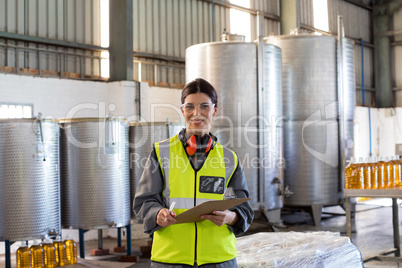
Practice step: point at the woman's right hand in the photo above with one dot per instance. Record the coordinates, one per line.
(165, 218)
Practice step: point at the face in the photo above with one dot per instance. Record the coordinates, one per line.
(198, 119)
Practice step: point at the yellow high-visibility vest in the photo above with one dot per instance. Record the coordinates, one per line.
(202, 242)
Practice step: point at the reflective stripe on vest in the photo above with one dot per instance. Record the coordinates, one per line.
(203, 242)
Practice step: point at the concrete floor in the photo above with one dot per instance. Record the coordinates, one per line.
(372, 234)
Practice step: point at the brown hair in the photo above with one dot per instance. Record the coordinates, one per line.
(200, 85)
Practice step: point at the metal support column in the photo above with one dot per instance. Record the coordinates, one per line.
(121, 40)
(382, 56)
(395, 224)
(260, 109)
(119, 237)
(100, 239)
(129, 250)
(81, 233)
(348, 218)
(8, 254)
(290, 15)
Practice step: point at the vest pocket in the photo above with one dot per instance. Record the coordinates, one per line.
(212, 185)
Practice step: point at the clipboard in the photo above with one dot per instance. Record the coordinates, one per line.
(193, 214)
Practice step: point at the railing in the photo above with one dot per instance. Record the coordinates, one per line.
(61, 70)
(166, 71)
(154, 78)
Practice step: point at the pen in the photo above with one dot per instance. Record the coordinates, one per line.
(171, 208)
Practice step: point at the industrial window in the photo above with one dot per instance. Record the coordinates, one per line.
(8, 110)
(104, 7)
(320, 11)
(240, 20)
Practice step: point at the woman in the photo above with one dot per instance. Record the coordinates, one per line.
(189, 169)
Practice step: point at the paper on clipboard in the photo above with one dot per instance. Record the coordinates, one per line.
(193, 214)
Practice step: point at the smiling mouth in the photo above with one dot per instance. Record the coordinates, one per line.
(197, 120)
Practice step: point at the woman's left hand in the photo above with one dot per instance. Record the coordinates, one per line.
(221, 217)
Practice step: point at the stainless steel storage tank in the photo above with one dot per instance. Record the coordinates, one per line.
(349, 81)
(310, 84)
(272, 126)
(231, 67)
(29, 179)
(349, 85)
(95, 179)
(142, 136)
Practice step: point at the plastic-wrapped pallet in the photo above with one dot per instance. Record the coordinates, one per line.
(297, 249)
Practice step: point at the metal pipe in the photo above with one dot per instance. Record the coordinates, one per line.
(81, 233)
(110, 134)
(138, 99)
(49, 51)
(81, 66)
(129, 250)
(156, 74)
(119, 237)
(39, 67)
(153, 56)
(52, 42)
(100, 239)
(369, 113)
(395, 221)
(311, 28)
(260, 108)
(252, 11)
(39, 117)
(340, 103)
(213, 20)
(168, 127)
(8, 254)
(348, 218)
(363, 93)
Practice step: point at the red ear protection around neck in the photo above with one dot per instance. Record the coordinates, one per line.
(195, 144)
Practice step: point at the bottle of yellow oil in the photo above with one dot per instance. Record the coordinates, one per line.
(37, 255)
(60, 246)
(23, 256)
(399, 162)
(349, 179)
(390, 171)
(374, 173)
(49, 253)
(367, 174)
(71, 250)
(360, 174)
(395, 165)
(382, 174)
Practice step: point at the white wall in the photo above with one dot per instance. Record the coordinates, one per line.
(163, 103)
(386, 131)
(65, 98)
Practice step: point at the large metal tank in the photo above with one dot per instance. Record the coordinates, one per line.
(310, 88)
(95, 179)
(231, 67)
(142, 136)
(349, 80)
(349, 98)
(272, 127)
(29, 179)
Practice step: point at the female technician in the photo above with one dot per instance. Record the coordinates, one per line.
(189, 169)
